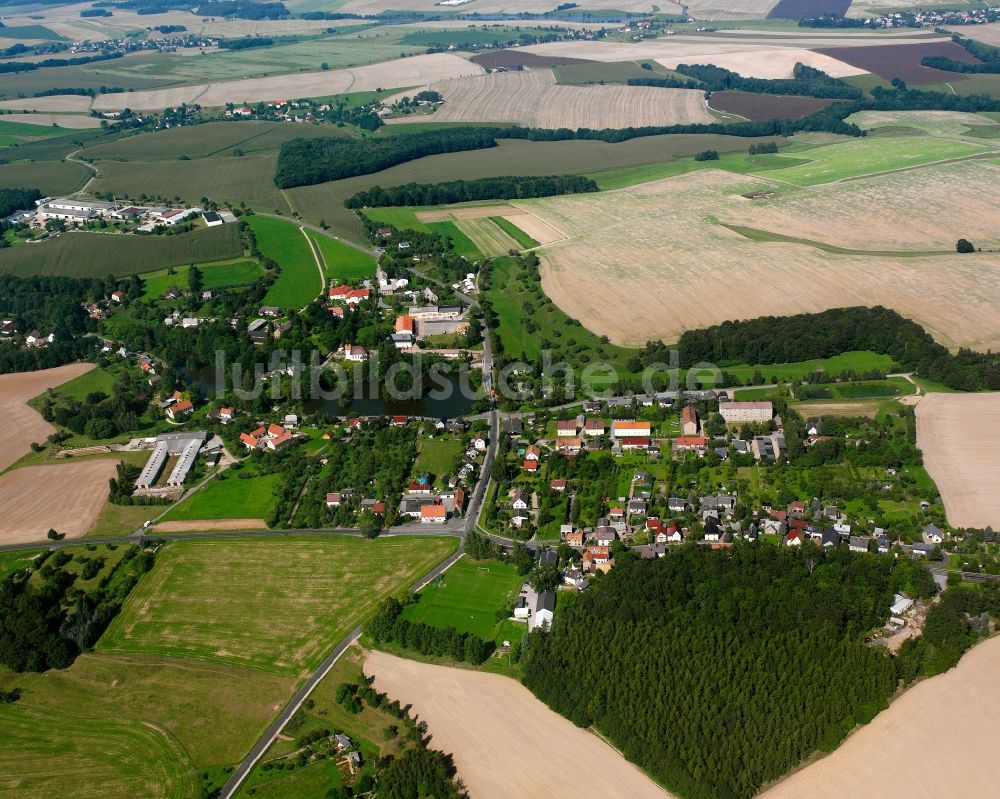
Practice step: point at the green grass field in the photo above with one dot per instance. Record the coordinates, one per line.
(11, 562)
(223, 179)
(869, 156)
(512, 230)
(54, 177)
(78, 388)
(510, 288)
(241, 272)
(232, 498)
(53, 754)
(19, 132)
(461, 243)
(862, 361)
(101, 254)
(342, 261)
(130, 725)
(299, 282)
(437, 457)
(467, 597)
(276, 605)
(402, 218)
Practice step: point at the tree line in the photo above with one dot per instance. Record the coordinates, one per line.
(389, 626)
(806, 82)
(802, 337)
(988, 58)
(31, 66)
(717, 671)
(457, 191)
(303, 162)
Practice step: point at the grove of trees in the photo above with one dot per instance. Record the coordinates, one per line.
(458, 191)
(718, 671)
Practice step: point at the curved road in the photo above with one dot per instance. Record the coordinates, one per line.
(243, 769)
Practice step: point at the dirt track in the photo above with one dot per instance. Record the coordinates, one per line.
(506, 743)
(209, 524)
(937, 740)
(959, 435)
(21, 424)
(66, 498)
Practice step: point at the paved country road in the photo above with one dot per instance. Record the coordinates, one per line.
(243, 770)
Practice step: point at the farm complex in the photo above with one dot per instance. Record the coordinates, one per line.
(484, 399)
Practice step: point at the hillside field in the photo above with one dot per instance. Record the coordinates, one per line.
(534, 99)
(275, 605)
(79, 254)
(223, 179)
(342, 261)
(325, 201)
(300, 281)
(215, 275)
(663, 288)
(49, 177)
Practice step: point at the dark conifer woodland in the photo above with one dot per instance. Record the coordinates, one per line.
(718, 671)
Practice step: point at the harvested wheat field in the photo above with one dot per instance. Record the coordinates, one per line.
(540, 230)
(455, 212)
(775, 63)
(892, 757)
(60, 103)
(375, 7)
(59, 120)
(65, 497)
(759, 60)
(534, 99)
(877, 213)
(489, 239)
(730, 9)
(210, 524)
(420, 69)
(672, 267)
(22, 425)
(988, 34)
(959, 435)
(489, 723)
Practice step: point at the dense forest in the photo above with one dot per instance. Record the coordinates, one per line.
(718, 671)
(45, 621)
(302, 162)
(807, 82)
(458, 191)
(802, 337)
(12, 200)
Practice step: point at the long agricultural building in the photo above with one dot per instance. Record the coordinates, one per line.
(185, 446)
